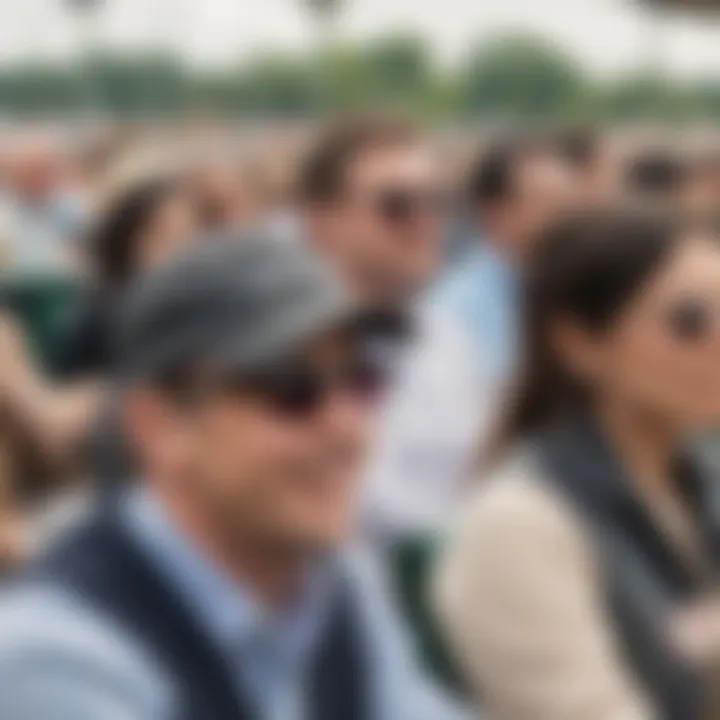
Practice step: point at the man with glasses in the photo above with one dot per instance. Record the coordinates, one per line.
(371, 205)
(215, 588)
(374, 207)
(450, 393)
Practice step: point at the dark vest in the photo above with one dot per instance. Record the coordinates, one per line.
(102, 565)
(645, 580)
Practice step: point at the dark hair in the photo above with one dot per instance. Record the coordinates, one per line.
(492, 175)
(113, 242)
(589, 265)
(322, 174)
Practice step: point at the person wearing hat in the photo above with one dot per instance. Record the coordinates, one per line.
(216, 587)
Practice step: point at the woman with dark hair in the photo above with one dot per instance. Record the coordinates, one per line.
(52, 427)
(581, 582)
(145, 225)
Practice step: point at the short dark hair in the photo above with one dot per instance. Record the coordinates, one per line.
(492, 175)
(322, 173)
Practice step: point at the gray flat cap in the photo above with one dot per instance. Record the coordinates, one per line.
(235, 303)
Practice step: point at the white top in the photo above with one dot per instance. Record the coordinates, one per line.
(429, 431)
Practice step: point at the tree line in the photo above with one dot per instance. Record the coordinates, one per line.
(512, 77)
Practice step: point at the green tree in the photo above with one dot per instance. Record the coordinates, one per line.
(646, 96)
(278, 85)
(706, 94)
(35, 89)
(396, 70)
(519, 76)
(132, 85)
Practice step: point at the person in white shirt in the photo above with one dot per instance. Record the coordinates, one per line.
(368, 209)
(40, 219)
(371, 204)
(430, 423)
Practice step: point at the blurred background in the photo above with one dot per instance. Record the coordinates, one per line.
(455, 62)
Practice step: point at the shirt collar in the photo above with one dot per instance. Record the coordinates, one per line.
(228, 610)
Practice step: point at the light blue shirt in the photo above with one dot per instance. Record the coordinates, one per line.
(270, 651)
(60, 660)
(481, 291)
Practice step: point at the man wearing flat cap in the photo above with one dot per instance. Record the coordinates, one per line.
(215, 587)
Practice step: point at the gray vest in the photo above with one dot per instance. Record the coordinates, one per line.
(644, 578)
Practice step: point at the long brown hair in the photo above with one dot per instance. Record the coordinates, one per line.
(588, 266)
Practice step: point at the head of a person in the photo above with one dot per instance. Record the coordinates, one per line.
(623, 316)
(36, 168)
(143, 227)
(593, 158)
(371, 204)
(254, 421)
(216, 189)
(516, 187)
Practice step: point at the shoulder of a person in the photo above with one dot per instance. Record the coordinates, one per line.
(51, 636)
(517, 499)
(457, 283)
(515, 529)
(441, 328)
(467, 292)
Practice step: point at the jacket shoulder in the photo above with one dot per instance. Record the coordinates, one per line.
(516, 489)
(53, 645)
(516, 512)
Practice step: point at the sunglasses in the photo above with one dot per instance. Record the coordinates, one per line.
(692, 319)
(399, 205)
(298, 389)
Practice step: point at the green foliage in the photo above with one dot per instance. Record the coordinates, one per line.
(514, 77)
(519, 76)
(37, 88)
(137, 85)
(706, 94)
(641, 97)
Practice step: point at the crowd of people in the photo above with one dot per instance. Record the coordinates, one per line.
(355, 423)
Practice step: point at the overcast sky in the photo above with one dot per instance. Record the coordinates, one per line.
(607, 35)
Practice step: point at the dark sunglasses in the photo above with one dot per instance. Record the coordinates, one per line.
(298, 389)
(398, 205)
(692, 319)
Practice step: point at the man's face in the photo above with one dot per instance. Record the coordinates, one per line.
(273, 459)
(544, 186)
(383, 232)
